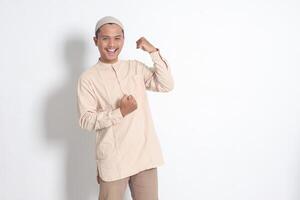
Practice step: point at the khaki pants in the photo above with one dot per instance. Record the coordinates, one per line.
(143, 186)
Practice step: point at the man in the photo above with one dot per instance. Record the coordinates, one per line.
(113, 103)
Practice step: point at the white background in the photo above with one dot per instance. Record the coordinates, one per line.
(229, 130)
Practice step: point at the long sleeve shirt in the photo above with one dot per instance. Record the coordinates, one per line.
(124, 145)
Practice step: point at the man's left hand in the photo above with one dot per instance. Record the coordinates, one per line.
(145, 45)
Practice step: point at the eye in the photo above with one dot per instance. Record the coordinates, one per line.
(105, 38)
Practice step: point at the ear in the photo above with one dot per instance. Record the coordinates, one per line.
(95, 40)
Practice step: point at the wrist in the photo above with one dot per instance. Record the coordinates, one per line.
(122, 112)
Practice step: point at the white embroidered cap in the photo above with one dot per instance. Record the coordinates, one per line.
(108, 20)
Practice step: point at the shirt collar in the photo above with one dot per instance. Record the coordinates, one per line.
(109, 65)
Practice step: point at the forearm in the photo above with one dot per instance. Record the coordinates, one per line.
(161, 79)
(94, 121)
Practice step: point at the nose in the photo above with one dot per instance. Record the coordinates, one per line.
(111, 43)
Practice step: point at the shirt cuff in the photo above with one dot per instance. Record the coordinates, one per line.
(116, 116)
(155, 56)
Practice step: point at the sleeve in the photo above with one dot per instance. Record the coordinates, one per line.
(91, 118)
(157, 78)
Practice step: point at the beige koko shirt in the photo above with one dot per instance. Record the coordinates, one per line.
(124, 145)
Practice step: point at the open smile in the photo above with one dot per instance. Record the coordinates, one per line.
(111, 51)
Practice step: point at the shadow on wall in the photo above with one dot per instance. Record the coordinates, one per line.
(62, 127)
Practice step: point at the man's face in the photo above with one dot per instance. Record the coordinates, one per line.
(110, 40)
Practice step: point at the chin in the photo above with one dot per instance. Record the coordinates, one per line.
(110, 58)
(115, 57)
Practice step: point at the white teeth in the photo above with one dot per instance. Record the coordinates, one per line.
(111, 50)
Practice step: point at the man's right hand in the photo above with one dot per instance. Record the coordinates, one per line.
(127, 104)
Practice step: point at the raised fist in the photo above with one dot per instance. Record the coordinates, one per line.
(144, 44)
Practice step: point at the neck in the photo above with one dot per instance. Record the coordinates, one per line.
(108, 61)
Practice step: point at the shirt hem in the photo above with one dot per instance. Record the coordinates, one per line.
(132, 173)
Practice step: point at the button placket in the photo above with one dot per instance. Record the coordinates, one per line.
(119, 82)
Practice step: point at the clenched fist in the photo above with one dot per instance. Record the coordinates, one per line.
(145, 45)
(127, 104)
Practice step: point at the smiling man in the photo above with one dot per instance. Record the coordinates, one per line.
(113, 104)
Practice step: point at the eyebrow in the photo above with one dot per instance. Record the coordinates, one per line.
(111, 36)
